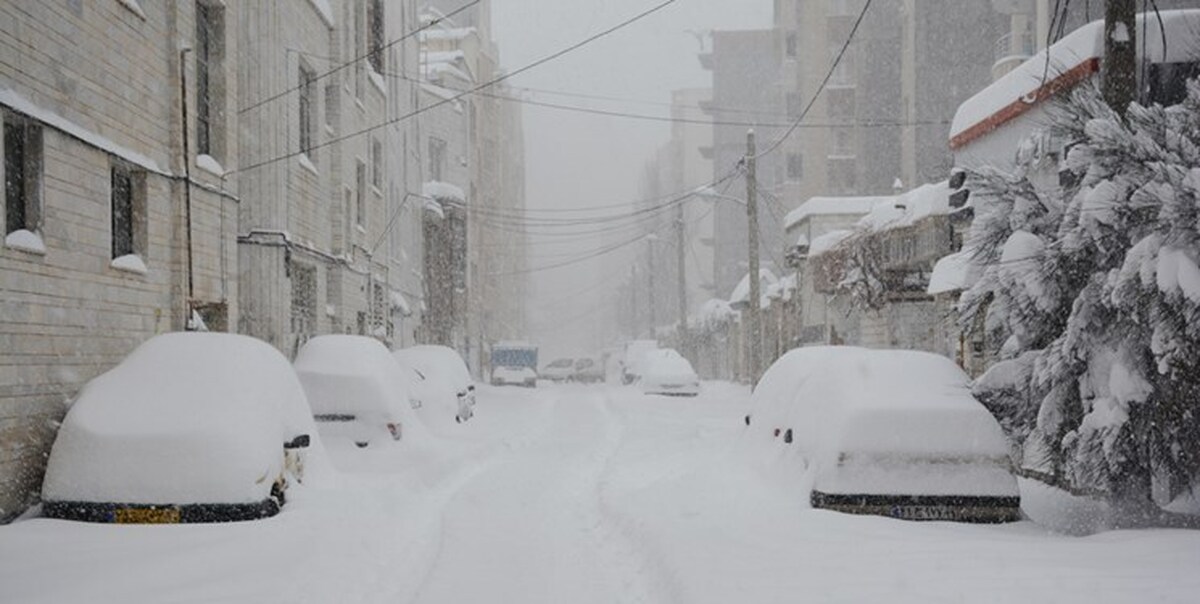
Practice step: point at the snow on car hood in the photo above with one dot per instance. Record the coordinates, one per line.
(185, 418)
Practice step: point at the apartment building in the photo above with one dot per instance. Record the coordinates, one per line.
(120, 127)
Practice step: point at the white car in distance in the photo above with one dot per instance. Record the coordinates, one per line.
(665, 371)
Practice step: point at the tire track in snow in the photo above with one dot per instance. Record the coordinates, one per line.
(532, 526)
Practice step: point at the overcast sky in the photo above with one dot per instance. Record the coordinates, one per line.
(577, 160)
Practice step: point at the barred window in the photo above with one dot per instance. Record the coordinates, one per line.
(210, 51)
(308, 121)
(22, 174)
(128, 209)
(304, 298)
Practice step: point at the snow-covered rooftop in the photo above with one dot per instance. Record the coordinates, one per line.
(830, 206)
(908, 208)
(827, 242)
(741, 293)
(1071, 60)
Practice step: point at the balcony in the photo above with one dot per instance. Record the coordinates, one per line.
(1011, 50)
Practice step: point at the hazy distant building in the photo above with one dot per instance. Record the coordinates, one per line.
(880, 122)
(745, 70)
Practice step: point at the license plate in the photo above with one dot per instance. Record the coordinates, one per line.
(924, 512)
(167, 515)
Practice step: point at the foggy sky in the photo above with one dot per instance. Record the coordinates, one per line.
(577, 160)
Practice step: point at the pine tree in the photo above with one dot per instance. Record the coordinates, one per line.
(1090, 296)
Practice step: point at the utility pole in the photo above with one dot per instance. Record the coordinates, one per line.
(752, 311)
(1119, 78)
(681, 262)
(650, 284)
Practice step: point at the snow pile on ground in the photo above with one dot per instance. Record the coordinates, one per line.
(185, 418)
(878, 421)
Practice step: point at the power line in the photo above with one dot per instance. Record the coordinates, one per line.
(824, 82)
(676, 120)
(361, 57)
(487, 84)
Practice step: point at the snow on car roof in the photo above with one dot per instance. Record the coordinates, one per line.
(832, 397)
(185, 418)
(440, 360)
(665, 361)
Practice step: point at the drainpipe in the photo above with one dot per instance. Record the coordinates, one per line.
(187, 174)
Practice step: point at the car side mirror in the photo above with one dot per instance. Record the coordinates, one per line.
(300, 442)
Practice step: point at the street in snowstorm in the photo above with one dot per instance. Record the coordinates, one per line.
(584, 494)
(580, 301)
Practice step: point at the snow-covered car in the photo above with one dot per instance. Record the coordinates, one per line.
(889, 432)
(443, 379)
(190, 427)
(665, 371)
(355, 389)
(632, 358)
(514, 376)
(559, 370)
(588, 371)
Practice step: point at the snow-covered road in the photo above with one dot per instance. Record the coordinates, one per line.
(582, 494)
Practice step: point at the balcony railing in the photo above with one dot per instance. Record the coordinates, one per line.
(1015, 46)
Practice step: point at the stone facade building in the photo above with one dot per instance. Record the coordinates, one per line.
(315, 245)
(119, 122)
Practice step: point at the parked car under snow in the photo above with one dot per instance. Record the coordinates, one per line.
(355, 389)
(190, 427)
(443, 378)
(888, 432)
(514, 376)
(559, 370)
(665, 371)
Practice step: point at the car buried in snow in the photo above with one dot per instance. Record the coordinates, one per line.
(190, 427)
(885, 432)
(588, 371)
(559, 370)
(665, 371)
(442, 378)
(356, 390)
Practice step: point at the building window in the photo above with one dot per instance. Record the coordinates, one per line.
(791, 44)
(128, 194)
(304, 298)
(437, 158)
(210, 78)
(331, 104)
(795, 166)
(793, 104)
(308, 120)
(22, 174)
(377, 163)
(375, 34)
(360, 199)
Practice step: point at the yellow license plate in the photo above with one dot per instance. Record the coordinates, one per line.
(147, 516)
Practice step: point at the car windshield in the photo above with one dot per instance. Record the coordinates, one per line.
(865, 300)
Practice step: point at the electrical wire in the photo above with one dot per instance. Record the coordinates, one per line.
(361, 57)
(828, 75)
(496, 80)
(674, 120)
